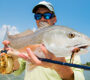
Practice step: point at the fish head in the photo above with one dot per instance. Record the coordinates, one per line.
(62, 40)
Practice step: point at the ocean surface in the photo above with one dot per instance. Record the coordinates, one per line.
(12, 77)
(21, 77)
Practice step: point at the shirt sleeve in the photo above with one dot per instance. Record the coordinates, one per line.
(21, 68)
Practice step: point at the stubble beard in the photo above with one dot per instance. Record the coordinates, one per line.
(43, 24)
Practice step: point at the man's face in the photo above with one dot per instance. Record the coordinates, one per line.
(49, 22)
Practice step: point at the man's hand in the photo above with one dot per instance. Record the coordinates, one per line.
(61, 70)
(11, 52)
(6, 43)
(32, 57)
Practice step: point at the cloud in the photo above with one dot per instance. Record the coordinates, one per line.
(12, 30)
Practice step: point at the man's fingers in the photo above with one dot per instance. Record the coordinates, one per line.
(9, 49)
(45, 51)
(48, 54)
(6, 42)
(21, 55)
(32, 56)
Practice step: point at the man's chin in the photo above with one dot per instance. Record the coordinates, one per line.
(43, 24)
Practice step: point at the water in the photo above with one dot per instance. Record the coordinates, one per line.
(21, 77)
(87, 75)
(86, 58)
(12, 77)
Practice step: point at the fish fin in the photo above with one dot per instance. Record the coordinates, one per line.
(6, 34)
(22, 34)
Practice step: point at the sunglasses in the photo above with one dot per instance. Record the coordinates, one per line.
(47, 16)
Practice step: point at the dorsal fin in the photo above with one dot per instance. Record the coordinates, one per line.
(22, 34)
(6, 34)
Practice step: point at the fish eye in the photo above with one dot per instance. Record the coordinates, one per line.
(71, 35)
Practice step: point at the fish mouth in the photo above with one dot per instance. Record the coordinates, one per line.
(78, 48)
(83, 47)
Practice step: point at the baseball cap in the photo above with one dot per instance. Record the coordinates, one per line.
(43, 3)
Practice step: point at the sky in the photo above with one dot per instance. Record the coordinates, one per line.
(71, 13)
(18, 16)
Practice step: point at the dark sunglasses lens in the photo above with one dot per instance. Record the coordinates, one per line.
(47, 15)
(38, 16)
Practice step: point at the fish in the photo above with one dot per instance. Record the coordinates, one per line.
(62, 41)
(59, 40)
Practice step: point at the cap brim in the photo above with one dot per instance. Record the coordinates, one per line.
(39, 5)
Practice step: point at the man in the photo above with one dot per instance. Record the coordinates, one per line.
(45, 16)
(44, 12)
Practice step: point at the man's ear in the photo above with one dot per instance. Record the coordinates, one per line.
(54, 19)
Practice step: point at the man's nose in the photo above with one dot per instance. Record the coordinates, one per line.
(42, 18)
